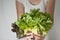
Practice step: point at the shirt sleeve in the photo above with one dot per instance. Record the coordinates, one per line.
(45, 2)
(22, 1)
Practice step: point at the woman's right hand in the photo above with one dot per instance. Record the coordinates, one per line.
(28, 36)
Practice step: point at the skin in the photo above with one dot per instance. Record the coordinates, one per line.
(49, 8)
(34, 2)
(19, 8)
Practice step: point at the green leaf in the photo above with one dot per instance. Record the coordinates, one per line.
(35, 21)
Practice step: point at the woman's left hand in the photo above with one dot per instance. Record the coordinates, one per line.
(38, 37)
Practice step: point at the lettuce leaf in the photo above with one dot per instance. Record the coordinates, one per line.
(35, 21)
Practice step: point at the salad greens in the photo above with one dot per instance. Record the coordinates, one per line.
(34, 21)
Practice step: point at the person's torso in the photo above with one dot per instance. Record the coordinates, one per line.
(28, 5)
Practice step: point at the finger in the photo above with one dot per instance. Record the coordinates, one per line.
(25, 38)
(38, 37)
(29, 37)
(29, 34)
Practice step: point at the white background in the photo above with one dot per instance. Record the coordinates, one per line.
(8, 15)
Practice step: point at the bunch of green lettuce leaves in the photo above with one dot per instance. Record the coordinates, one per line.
(34, 21)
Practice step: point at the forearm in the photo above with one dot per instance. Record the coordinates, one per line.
(19, 8)
(50, 7)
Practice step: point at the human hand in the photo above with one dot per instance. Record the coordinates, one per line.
(38, 37)
(32, 36)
